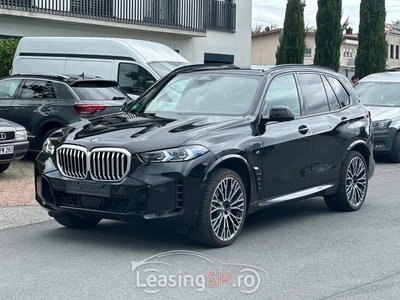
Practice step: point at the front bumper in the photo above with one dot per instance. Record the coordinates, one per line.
(383, 140)
(20, 149)
(167, 194)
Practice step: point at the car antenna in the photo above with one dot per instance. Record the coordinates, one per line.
(82, 75)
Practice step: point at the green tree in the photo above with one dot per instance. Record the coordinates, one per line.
(293, 39)
(372, 46)
(329, 34)
(7, 50)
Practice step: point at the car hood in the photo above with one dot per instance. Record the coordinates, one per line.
(139, 133)
(8, 125)
(382, 113)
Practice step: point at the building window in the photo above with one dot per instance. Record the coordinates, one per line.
(391, 51)
(397, 52)
(307, 52)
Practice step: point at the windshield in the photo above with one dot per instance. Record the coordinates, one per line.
(199, 93)
(378, 93)
(92, 91)
(164, 67)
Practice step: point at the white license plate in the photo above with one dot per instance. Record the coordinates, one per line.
(7, 150)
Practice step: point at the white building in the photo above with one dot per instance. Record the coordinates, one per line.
(201, 30)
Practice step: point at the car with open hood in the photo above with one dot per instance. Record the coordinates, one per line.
(206, 146)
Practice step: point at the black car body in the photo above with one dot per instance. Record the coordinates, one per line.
(380, 94)
(13, 143)
(202, 149)
(44, 103)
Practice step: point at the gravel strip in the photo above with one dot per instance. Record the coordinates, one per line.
(14, 216)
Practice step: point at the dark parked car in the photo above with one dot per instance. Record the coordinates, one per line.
(206, 146)
(13, 143)
(380, 93)
(43, 104)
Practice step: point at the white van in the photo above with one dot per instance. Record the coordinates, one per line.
(134, 64)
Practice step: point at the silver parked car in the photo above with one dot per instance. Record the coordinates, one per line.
(380, 93)
(13, 143)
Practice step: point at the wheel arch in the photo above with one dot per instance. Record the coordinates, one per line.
(239, 165)
(362, 148)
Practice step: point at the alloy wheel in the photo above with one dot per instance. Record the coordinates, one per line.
(227, 209)
(356, 181)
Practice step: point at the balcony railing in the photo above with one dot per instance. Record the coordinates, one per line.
(222, 15)
(175, 14)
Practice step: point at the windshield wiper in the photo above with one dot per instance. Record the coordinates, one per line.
(118, 98)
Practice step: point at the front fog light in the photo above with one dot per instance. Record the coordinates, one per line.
(21, 135)
(48, 147)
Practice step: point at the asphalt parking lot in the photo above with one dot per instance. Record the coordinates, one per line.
(307, 252)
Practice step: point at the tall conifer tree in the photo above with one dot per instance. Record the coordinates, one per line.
(292, 42)
(372, 46)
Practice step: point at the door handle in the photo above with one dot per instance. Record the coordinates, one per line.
(4, 109)
(344, 120)
(303, 129)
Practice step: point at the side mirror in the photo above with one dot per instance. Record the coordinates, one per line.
(148, 83)
(126, 104)
(279, 114)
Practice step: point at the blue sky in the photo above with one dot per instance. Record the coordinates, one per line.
(273, 11)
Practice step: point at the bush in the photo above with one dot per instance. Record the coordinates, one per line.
(7, 50)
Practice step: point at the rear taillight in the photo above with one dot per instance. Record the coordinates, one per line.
(85, 109)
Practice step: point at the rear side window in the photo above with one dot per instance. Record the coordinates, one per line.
(34, 88)
(314, 93)
(134, 79)
(332, 99)
(340, 91)
(62, 91)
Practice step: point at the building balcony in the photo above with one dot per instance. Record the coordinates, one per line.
(190, 17)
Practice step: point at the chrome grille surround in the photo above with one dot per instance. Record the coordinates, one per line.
(109, 164)
(101, 164)
(72, 161)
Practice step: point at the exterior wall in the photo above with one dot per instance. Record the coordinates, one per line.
(263, 48)
(393, 60)
(237, 44)
(191, 45)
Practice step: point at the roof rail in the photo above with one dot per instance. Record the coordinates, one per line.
(297, 65)
(199, 67)
(57, 76)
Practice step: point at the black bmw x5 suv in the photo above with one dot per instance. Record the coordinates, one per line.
(206, 146)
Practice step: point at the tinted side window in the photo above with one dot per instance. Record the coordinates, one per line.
(314, 93)
(340, 91)
(62, 91)
(37, 89)
(283, 91)
(332, 99)
(132, 78)
(8, 88)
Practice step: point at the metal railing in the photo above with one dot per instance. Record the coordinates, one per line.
(188, 15)
(221, 15)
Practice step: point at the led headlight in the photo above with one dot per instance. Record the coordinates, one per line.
(48, 147)
(177, 154)
(383, 124)
(21, 135)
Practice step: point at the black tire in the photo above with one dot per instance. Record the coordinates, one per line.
(353, 184)
(234, 216)
(77, 222)
(394, 155)
(4, 167)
